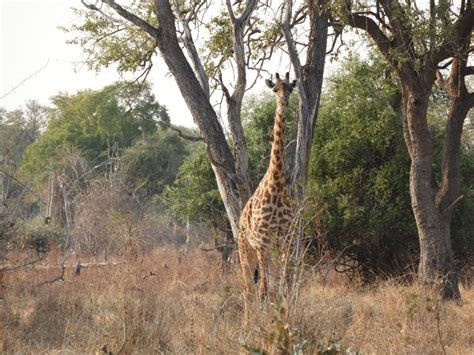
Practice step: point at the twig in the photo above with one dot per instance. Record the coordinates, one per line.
(24, 80)
(151, 273)
(217, 247)
(452, 204)
(181, 134)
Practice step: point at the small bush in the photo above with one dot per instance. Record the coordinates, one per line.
(36, 235)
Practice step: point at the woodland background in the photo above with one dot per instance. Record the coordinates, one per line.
(114, 234)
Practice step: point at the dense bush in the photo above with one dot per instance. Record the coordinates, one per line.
(194, 195)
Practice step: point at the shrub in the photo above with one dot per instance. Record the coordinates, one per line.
(37, 235)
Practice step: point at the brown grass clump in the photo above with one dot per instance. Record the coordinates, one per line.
(169, 304)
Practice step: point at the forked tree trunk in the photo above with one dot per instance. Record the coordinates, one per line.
(416, 69)
(436, 254)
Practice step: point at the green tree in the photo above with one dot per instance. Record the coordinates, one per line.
(359, 171)
(94, 122)
(18, 129)
(194, 196)
(152, 163)
(417, 41)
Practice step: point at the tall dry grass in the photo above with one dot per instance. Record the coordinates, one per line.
(180, 304)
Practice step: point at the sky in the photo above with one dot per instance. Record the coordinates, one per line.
(36, 63)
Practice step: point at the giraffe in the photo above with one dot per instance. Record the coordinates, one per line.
(268, 214)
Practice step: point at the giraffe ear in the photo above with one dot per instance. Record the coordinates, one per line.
(269, 83)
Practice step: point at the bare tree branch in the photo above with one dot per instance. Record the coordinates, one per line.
(154, 32)
(25, 80)
(192, 51)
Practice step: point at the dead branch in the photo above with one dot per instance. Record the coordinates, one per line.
(12, 268)
(151, 273)
(181, 134)
(53, 280)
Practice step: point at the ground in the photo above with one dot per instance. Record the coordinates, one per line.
(170, 302)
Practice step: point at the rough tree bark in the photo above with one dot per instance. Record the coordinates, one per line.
(432, 206)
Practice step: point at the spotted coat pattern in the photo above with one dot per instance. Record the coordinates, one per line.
(267, 215)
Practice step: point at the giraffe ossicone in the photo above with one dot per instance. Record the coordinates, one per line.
(268, 214)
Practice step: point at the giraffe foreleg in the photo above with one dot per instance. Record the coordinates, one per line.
(248, 264)
(263, 273)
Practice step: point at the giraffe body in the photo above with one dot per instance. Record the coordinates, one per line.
(267, 216)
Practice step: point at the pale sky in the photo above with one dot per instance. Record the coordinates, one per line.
(30, 39)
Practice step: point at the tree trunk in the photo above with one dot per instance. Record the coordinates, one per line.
(203, 113)
(436, 255)
(234, 101)
(310, 78)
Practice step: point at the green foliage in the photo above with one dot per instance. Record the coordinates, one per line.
(462, 225)
(427, 32)
(94, 122)
(107, 43)
(359, 174)
(194, 195)
(152, 163)
(258, 116)
(359, 168)
(18, 129)
(219, 45)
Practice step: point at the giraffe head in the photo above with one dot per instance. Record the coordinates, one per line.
(282, 87)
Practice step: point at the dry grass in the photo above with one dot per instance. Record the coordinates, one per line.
(160, 305)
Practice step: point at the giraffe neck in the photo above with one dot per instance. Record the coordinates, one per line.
(276, 155)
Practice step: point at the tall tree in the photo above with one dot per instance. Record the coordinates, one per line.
(167, 26)
(417, 43)
(92, 121)
(18, 129)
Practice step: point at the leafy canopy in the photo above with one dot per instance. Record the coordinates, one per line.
(93, 122)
